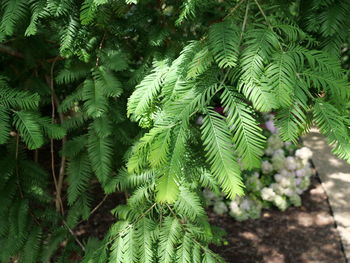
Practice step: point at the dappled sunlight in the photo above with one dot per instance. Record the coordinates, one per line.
(299, 235)
(335, 176)
(335, 162)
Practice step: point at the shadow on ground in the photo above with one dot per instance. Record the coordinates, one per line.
(299, 235)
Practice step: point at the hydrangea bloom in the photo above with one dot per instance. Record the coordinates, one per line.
(290, 163)
(270, 126)
(245, 208)
(268, 194)
(220, 208)
(253, 182)
(304, 154)
(266, 167)
(278, 161)
(280, 202)
(284, 175)
(274, 142)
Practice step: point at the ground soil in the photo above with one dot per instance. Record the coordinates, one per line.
(305, 234)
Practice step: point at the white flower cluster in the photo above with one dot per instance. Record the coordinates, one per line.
(284, 175)
(245, 208)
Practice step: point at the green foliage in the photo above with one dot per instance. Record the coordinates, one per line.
(224, 43)
(220, 154)
(194, 75)
(248, 137)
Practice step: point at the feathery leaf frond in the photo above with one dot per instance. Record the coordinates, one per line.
(220, 154)
(247, 135)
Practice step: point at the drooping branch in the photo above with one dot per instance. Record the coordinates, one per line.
(10, 51)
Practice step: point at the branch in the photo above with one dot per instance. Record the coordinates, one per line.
(267, 21)
(99, 50)
(234, 9)
(59, 182)
(95, 208)
(244, 21)
(10, 51)
(74, 236)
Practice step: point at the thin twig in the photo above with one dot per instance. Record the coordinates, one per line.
(99, 49)
(63, 158)
(263, 13)
(234, 9)
(267, 21)
(58, 200)
(132, 223)
(98, 205)
(95, 208)
(17, 171)
(244, 21)
(74, 235)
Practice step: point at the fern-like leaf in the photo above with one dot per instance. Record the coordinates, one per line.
(188, 204)
(5, 126)
(95, 102)
(79, 175)
(220, 155)
(184, 251)
(224, 43)
(169, 236)
(167, 186)
(281, 73)
(332, 125)
(247, 135)
(29, 129)
(146, 91)
(100, 153)
(14, 10)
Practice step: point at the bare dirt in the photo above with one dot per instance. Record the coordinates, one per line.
(305, 234)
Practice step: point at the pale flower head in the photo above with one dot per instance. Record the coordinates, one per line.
(290, 163)
(274, 142)
(300, 172)
(305, 183)
(277, 188)
(306, 171)
(246, 204)
(298, 181)
(286, 181)
(267, 194)
(220, 208)
(278, 161)
(266, 167)
(234, 208)
(271, 126)
(280, 202)
(303, 153)
(289, 191)
(278, 177)
(209, 196)
(285, 173)
(279, 152)
(269, 151)
(200, 120)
